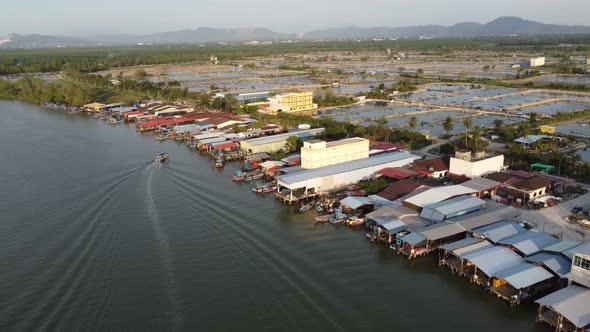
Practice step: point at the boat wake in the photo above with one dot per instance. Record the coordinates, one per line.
(267, 249)
(164, 251)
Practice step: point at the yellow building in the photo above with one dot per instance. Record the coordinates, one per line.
(317, 153)
(547, 129)
(94, 107)
(291, 102)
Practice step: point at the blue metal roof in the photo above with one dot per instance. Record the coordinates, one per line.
(462, 243)
(563, 247)
(530, 242)
(523, 275)
(394, 226)
(453, 207)
(413, 238)
(500, 230)
(494, 259)
(572, 303)
(554, 262)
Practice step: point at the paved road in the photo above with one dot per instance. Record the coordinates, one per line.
(552, 219)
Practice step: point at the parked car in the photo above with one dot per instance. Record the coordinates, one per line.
(577, 209)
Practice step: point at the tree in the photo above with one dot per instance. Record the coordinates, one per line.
(467, 123)
(523, 130)
(476, 136)
(413, 122)
(419, 72)
(533, 117)
(498, 123)
(294, 143)
(448, 125)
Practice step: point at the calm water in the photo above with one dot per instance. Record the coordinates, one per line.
(94, 237)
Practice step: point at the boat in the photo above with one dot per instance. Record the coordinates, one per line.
(264, 189)
(355, 222)
(336, 221)
(253, 176)
(322, 219)
(306, 207)
(219, 163)
(162, 157)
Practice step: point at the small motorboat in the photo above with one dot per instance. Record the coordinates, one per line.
(354, 222)
(306, 207)
(219, 163)
(162, 157)
(322, 219)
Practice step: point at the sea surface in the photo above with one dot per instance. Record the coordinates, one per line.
(96, 237)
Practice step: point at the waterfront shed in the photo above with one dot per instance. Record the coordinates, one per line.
(567, 309)
(426, 239)
(484, 264)
(518, 282)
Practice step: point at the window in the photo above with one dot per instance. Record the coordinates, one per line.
(582, 262)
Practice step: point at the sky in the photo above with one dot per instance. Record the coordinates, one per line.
(104, 17)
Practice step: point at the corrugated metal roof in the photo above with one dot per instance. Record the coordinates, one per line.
(346, 167)
(438, 194)
(462, 243)
(442, 230)
(413, 238)
(584, 248)
(382, 215)
(457, 205)
(530, 242)
(355, 202)
(494, 259)
(285, 136)
(481, 184)
(394, 226)
(462, 252)
(554, 262)
(500, 231)
(562, 247)
(492, 214)
(572, 303)
(523, 275)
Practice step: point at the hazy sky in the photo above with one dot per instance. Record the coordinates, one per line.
(81, 17)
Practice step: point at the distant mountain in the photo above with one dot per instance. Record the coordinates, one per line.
(502, 26)
(40, 41)
(200, 35)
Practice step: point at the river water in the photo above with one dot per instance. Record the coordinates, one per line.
(95, 237)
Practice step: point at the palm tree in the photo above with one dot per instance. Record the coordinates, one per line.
(476, 135)
(413, 122)
(533, 117)
(524, 130)
(498, 123)
(467, 123)
(448, 125)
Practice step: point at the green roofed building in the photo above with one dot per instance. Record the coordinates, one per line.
(544, 167)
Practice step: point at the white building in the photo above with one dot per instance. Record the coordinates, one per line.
(476, 168)
(537, 62)
(339, 176)
(317, 153)
(581, 265)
